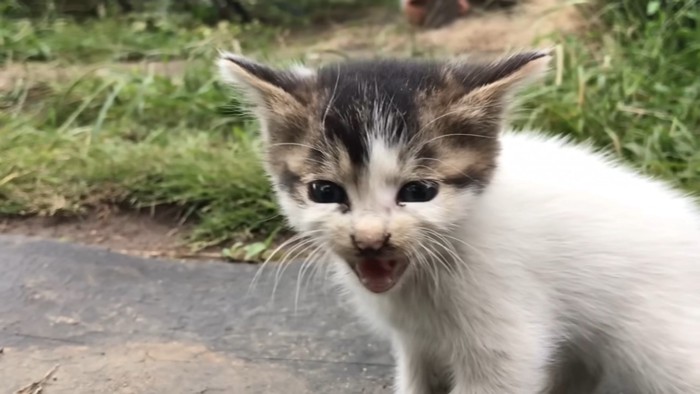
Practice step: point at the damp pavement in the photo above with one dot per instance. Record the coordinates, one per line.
(79, 319)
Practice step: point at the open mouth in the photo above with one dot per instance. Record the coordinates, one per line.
(380, 275)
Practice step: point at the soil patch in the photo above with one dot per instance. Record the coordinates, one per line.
(155, 234)
(531, 23)
(140, 367)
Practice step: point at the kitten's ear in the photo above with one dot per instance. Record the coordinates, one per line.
(260, 83)
(276, 96)
(506, 75)
(489, 86)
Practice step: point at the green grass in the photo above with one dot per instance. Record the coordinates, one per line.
(137, 140)
(126, 38)
(632, 86)
(157, 35)
(140, 139)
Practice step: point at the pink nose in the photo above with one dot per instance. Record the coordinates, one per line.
(370, 243)
(369, 233)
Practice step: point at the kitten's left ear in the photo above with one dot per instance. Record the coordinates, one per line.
(275, 95)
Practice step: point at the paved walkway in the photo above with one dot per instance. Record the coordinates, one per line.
(90, 321)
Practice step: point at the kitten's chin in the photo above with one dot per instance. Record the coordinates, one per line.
(380, 275)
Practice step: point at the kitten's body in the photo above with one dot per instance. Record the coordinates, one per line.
(497, 263)
(564, 247)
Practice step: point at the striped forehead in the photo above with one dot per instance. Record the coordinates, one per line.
(379, 179)
(384, 164)
(371, 101)
(387, 162)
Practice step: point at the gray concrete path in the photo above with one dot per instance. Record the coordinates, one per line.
(99, 322)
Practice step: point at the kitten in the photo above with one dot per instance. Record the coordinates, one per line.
(496, 262)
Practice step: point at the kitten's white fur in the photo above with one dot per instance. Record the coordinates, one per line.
(565, 245)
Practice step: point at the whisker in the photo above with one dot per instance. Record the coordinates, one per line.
(463, 242)
(449, 248)
(282, 266)
(435, 239)
(425, 126)
(300, 276)
(256, 277)
(332, 98)
(325, 265)
(300, 239)
(434, 269)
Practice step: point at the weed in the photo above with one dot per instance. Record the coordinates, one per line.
(134, 136)
(136, 139)
(631, 86)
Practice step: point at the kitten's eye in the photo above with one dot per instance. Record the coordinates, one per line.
(326, 192)
(418, 191)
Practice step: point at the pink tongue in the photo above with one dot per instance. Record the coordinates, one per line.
(376, 275)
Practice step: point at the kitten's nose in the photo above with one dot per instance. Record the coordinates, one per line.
(370, 244)
(370, 235)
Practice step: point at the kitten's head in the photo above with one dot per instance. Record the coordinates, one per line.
(381, 160)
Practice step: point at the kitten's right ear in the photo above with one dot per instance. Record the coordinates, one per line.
(488, 87)
(504, 77)
(270, 91)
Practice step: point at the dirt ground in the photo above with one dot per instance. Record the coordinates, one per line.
(138, 367)
(529, 24)
(140, 234)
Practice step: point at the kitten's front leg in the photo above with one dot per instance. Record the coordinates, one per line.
(416, 373)
(412, 376)
(519, 367)
(525, 381)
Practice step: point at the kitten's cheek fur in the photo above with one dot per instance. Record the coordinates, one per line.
(449, 208)
(291, 209)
